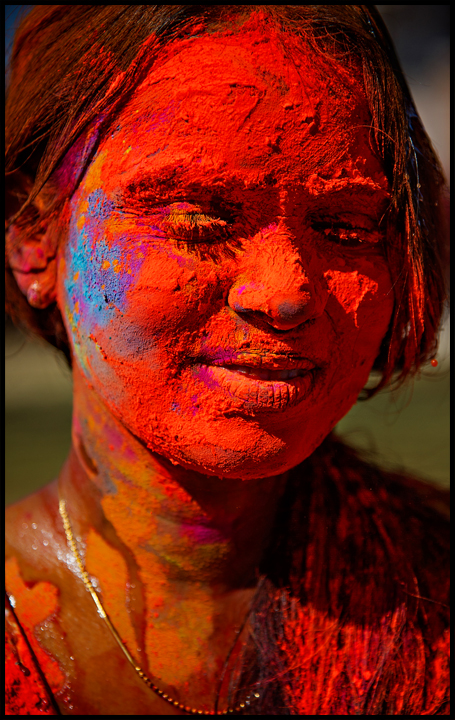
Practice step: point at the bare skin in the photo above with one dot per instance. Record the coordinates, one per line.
(98, 679)
(173, 481)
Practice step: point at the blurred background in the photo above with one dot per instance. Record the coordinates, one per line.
(408, 429)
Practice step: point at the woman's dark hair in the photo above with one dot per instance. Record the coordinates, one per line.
(72, 65)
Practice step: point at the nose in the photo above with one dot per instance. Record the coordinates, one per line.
(282, 295)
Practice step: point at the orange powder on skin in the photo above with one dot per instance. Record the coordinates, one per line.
(104, 561)
(35, 604)
(173, 656)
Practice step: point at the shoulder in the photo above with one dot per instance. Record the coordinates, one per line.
(26, 691)
(34, 578)
(32, 530)
(32, 540)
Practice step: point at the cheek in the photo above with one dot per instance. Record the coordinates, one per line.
(124, 297)
(95, 274)
(175, 294)
(364, 298)
(166, 295)
(361, 308)
(95, 279)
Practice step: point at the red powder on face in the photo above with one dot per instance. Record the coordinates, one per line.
(232, 138)
(342, 285)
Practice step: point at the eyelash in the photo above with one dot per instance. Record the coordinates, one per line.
(346, 235)
(189, 224)
(343, 234)
(183, 226)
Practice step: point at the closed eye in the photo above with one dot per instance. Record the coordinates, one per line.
(181, 221)
(346, 234)
(193, 226)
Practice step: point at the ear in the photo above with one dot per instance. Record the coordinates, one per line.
(31, 245)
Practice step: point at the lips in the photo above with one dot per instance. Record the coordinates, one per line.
(268, 375)
(263, 361)
(271, 382)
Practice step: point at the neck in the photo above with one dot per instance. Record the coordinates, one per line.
(183, 544)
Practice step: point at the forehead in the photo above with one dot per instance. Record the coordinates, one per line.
(249, 103)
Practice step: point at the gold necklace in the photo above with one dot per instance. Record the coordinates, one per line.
(101, 611)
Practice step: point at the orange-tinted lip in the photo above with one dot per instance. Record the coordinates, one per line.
(258, 394)
(264, 362)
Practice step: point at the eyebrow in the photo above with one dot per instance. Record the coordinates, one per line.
(146, 181)
(374, 199)
(157, 183)
(365, 185)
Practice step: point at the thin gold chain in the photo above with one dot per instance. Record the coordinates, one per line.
(101, 611)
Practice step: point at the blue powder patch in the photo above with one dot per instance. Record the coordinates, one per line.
(87, 259)
(117, 284)
(99, 206)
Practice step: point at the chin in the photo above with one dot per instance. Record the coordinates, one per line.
(208, 459)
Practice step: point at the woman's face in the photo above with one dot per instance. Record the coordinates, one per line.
(224, 240)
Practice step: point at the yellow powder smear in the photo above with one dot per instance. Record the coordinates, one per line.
(94, 178)
(106, 264)
(109, 567)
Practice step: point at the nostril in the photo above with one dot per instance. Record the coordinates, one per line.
(278, 331)
(238, 307)
(283, 310)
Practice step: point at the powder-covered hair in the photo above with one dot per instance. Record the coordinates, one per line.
(75, 65)
(352, 616)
